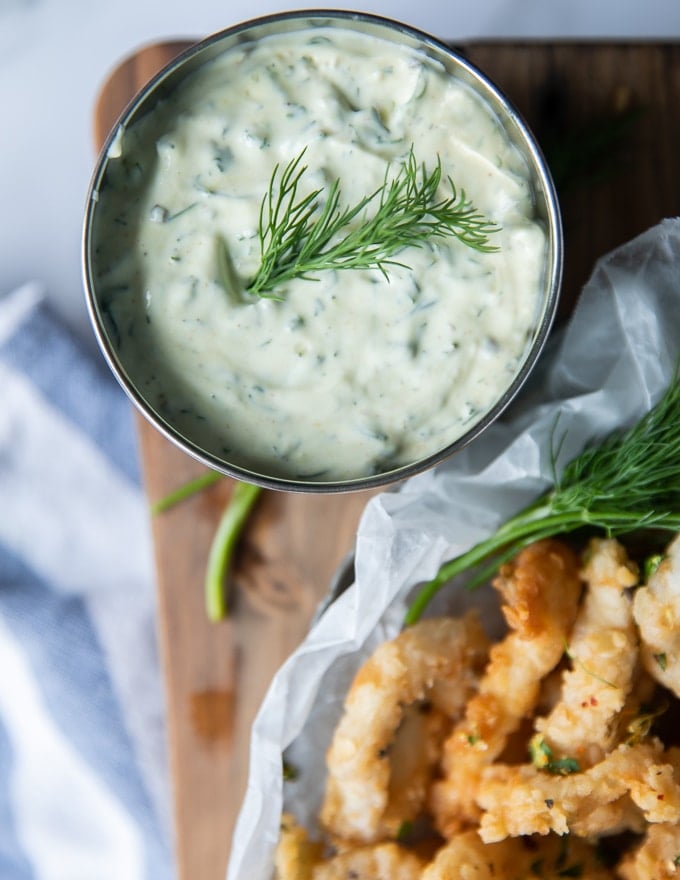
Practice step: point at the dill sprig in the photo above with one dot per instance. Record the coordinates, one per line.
(300, 236)
(630, 481)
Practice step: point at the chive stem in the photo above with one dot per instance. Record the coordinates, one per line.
(185, 491)
(223, 545)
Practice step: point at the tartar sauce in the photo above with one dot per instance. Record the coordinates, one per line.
(349, 375)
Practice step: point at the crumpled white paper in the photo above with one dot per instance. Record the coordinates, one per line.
(605, 370)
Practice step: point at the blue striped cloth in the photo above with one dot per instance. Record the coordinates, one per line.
(83, 778)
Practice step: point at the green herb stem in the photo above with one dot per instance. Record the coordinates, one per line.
(299, 237)
(185, 491)
(223, 545)
(630, 481)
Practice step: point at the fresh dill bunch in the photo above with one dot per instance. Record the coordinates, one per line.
(630, 481)
(300, 237)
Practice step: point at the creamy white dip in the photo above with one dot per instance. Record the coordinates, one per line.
(350, 375)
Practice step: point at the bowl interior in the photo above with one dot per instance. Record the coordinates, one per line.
(165, 84)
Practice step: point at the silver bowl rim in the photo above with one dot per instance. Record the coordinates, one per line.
(552, 284)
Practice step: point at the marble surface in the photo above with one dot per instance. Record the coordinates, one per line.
(55, 55)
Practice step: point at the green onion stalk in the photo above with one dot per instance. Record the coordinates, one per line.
(225, 539)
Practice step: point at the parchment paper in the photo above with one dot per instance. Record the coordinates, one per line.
(606, 369)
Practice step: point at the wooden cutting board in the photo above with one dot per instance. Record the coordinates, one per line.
(572, 95)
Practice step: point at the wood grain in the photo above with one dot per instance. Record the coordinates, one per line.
(216, 676)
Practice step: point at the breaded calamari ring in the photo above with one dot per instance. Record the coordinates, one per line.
(382, 861)
(299, 858)
(540, 591)
(400, 672)
(296, 855)
(603, 651)
(467, 857)
(656, 858)
(656, 609)
(519, 800)
(414, 756)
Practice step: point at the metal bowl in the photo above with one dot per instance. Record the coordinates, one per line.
(547, 210)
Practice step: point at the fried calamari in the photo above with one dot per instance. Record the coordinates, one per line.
(455, 762)
(400, 673)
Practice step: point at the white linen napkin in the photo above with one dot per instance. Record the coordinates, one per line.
(83, 779)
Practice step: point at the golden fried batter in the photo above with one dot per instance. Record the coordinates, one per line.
(436, 699)
(524, 800)
(656, 609)
(383, 861)
(399, 673)
(466, 857)
(414, 755)
(296, 854)
(657, 857)
(603, 651)
(298, 858)
(540, 592)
